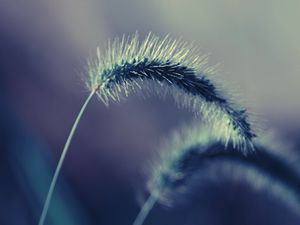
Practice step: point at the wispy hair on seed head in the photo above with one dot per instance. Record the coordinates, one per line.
(170, 66)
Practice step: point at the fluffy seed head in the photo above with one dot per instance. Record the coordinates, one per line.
(168, 66)
(195, 157)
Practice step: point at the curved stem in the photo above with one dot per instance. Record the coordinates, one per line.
(144, 212)
(61, 160)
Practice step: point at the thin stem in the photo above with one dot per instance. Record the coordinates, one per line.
(62, 157)
(144, 212)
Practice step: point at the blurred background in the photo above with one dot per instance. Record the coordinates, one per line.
(44, 46)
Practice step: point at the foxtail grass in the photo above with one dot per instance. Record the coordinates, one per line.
(161, 66)
(170, 66)
(196, 155)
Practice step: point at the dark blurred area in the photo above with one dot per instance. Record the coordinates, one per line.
(44, 47)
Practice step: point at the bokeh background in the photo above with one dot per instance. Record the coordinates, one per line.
(43, 50)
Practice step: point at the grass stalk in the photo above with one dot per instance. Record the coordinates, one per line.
(145, 210)
(62, 158)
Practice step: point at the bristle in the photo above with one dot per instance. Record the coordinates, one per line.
(175, 66)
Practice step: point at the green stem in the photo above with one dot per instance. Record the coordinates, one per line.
(61, 160)
(144, 212)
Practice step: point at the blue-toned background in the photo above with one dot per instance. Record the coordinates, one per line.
(43, 50)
